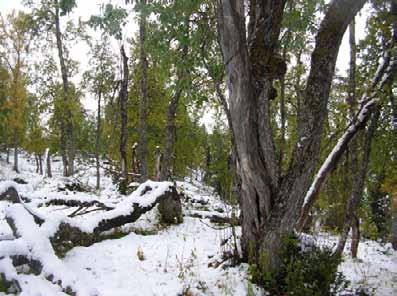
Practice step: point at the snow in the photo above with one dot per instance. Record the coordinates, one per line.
(7, 184)
(176, 259)
(40, 249)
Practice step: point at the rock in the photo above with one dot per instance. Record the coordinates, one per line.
(170, 208)
(10, 195)
(20, 181)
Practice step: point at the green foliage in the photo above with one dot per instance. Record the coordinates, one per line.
(311, 271)
(111, 22)
(219, 173)
(66, 6)
(3, 287)
(4, 110)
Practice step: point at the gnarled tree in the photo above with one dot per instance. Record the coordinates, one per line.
(271, 200)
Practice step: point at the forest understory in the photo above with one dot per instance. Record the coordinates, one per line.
(147, 257)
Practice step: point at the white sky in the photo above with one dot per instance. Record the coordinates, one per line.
(86, 8)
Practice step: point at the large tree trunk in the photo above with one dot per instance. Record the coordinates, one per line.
(394, 123)
(394, 152)
(123, 98)
(269, 207)
(143, 103)
(66, 120)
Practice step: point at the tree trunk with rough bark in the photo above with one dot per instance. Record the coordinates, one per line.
(394, 149)
(67, 141)
(270, 205)
(123, 98)
(143, 102)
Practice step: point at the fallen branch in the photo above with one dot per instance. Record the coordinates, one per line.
(369, 102)
(65, 233)
(39, 242)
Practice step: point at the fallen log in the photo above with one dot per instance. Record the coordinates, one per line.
(32, 246)
(66, 232)
(218, 219)
(39, 242)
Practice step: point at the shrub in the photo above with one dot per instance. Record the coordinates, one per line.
(303, 272)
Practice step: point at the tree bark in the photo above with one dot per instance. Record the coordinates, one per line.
(270, 206)
(15, 166)
(394, 153)
(36, 159)
(40, 164)
(8, 154)
(48, 163)
(157, 164)
(123, 97)
(394, 123)
(67, 140)
(143, 103)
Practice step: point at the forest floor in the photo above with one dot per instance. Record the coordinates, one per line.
(146, 258)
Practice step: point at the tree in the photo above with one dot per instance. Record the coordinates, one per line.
(143, 102)
(270, 200)
(4, 110)
(111, 22)
(35, 141)
(47, 20)
(14, 44)
(100, 79)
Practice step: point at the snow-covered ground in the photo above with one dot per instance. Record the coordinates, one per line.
(177, 260)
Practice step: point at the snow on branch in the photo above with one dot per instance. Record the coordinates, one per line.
(38, 242)
(368, 103)
(33, 244)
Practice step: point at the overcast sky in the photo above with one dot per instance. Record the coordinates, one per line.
(86, 8)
